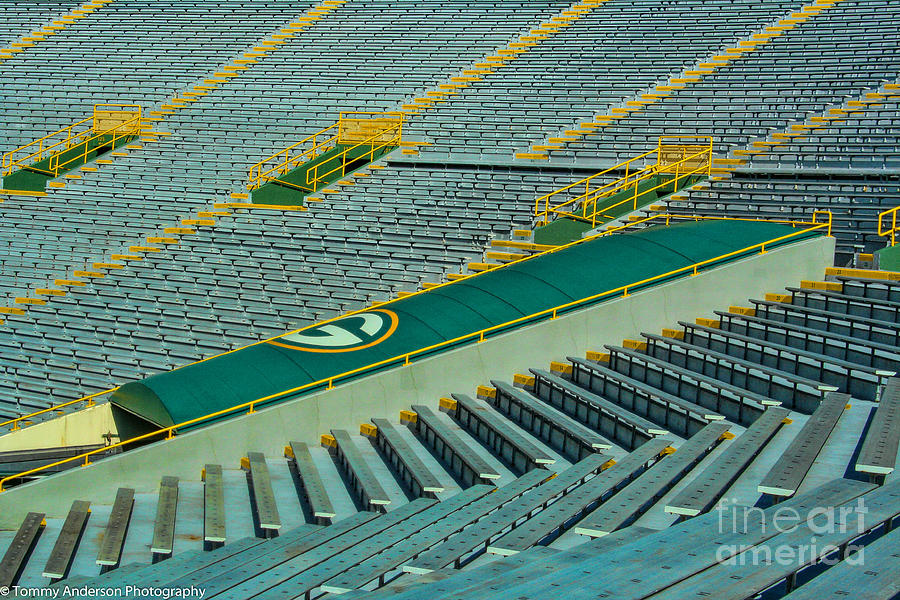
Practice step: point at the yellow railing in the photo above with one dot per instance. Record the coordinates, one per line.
(284, 161)
(679, 160)
(38, 147)
(680, 169)
(892, 230)
(391, 137)
(88, 401)
(351, 128)
(116, 119)
(478, 336)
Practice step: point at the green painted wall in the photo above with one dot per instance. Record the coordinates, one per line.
(438, 315)
(889, 258)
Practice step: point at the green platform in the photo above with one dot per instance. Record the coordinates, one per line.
(34, 177)
(568, 229)
(889, 258)
(438, 315)
(291, 189)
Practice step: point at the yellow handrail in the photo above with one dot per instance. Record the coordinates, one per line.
(10, 163)
(261, 172)
(313, 177)
(120, 132)
(892, 231)
(545, 199)
(8, 158)
(552, 313)
(55, 408)
(704, 168)
(592, 196)
(258, 175)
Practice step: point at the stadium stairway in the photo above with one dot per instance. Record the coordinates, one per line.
(754, 405)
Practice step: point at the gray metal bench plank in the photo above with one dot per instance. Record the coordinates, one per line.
(503, 439)
(473, 538)
(369, 489)
(77, 580)
(402, 456)
(571, 506)
(631, 500)
(110, 579)
(746, 579)
(312, 481)
(452, 447)
(879, 450)
(694, 414)
(453, 579)
(494, 583)
(136, 572)
(879, 308)
(788, 472)
(223, 575)
(184, 563)
(20, 548)
(858, 379)
(875, 351)
(266, 508)
(164, 526)
(297, 577)
(877, 579)
(711, 483)
(789, 311)
(544, 421)
(636, 424)
(676, 552)
(66, 542)
(213, 504)
(740, 405)
(798, 392)
(460, 510)
(116, 528)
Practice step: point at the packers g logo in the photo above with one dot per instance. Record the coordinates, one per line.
(355, 332)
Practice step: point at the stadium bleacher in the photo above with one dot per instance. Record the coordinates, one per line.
(471, 443)
(162, 183)
(627, 416)
(21, 19)
(363, 232)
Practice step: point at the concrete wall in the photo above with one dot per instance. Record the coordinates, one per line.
(79, 428)
(461, 370)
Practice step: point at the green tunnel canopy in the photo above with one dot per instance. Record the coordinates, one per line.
(430, 318)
